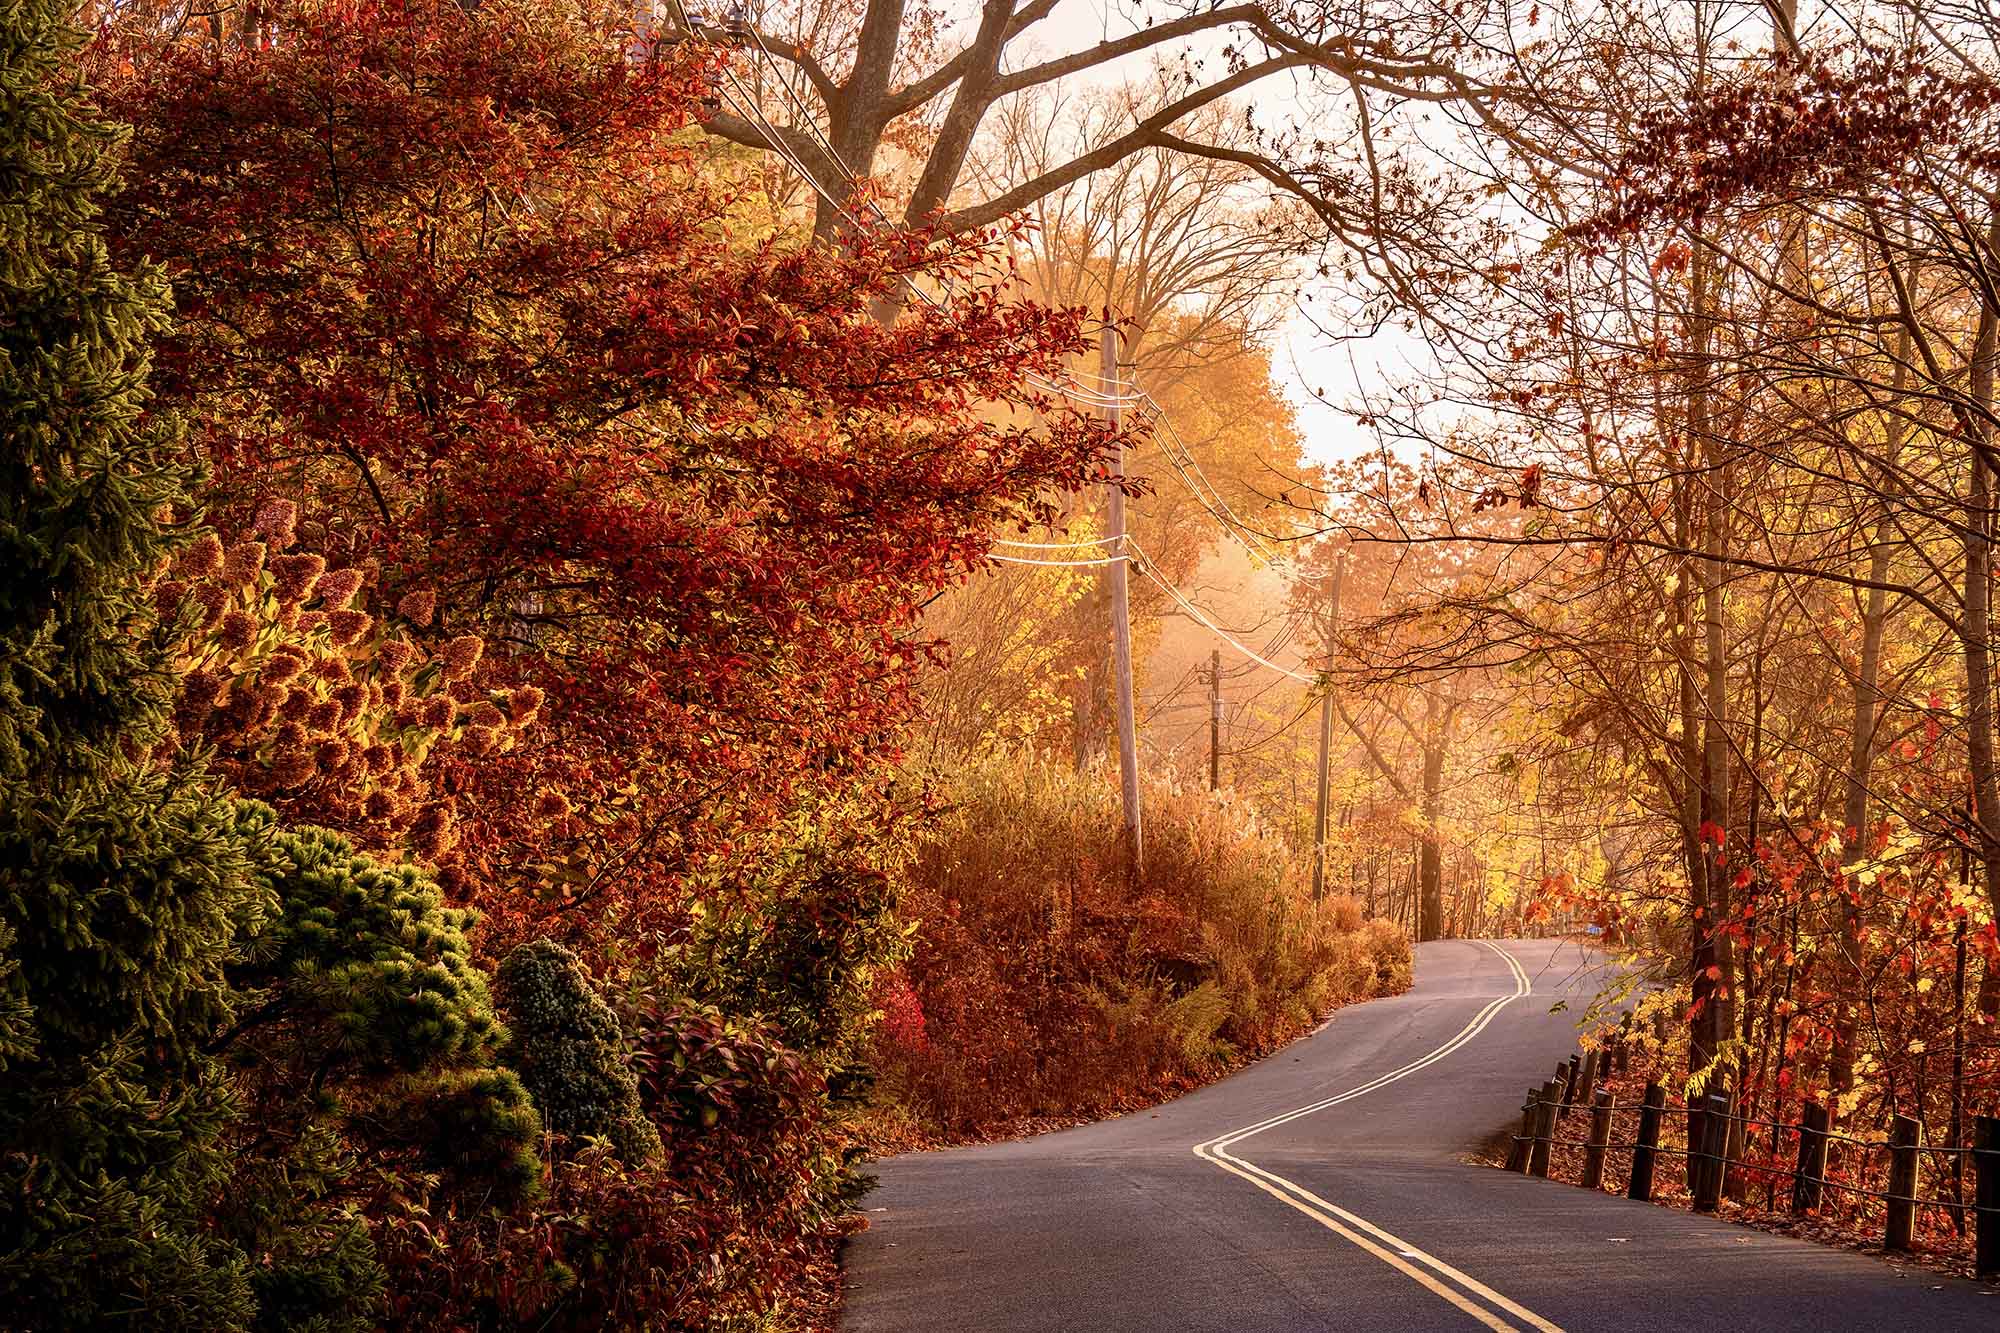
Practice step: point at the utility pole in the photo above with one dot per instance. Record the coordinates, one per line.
(1121, 610)
(1215, 719)
(1326, 729)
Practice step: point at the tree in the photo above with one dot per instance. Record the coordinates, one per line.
(123, 893)
(207, 1019)
(882, 72)
(1188, 250)
(563, 391)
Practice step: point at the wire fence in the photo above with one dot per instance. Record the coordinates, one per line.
(1717, 1157)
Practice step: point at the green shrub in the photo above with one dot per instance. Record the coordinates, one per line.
(569, 1052)
(481, 1124)
(365, 960)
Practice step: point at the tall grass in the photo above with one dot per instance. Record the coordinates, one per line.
(1047, 985)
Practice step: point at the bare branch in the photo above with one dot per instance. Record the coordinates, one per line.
(1146, 133)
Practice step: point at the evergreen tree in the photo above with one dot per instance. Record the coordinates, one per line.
(123, 888)
(569, 1050)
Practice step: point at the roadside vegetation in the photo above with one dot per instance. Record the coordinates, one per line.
(1045, 986)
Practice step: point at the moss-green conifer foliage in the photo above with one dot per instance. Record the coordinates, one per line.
(369, 951)
(122, 887)
(368, 979)
(569, 1051)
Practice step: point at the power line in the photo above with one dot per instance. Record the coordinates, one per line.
(1077, 545)
(1060, 564)
(1145, 566)
(1175, 448)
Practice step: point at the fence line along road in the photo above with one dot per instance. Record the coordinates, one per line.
(1575, 1086)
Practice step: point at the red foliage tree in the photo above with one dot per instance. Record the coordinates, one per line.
(456, 282)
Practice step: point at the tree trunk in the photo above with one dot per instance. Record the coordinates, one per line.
(1431, 924)
(1862, 703)
(1976, 635)
(1713, 959)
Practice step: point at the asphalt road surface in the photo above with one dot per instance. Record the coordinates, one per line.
(1322, 1189)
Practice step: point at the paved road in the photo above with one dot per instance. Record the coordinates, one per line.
(1320, 1189)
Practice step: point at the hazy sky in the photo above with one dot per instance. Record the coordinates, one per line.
(1304, 359)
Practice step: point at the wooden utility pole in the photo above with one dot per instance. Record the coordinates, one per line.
(1215, 719)
(1121, 611)
(1326, 730)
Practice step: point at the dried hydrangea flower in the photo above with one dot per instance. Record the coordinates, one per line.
(485, 713)
(395, 656)
(431, 835)
(243, 563)
(330, 754)
(352, 698)
(277, 523)
(461, 656)
(213, 599)
(337, 589)
(348, 628)
(282, 667)
(168, 597)
(293, 577)
(200, 690)
(237, 631)
(524, 703)
(203, 558)
(417, 607)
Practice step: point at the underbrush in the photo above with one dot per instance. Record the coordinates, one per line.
(1046, 985)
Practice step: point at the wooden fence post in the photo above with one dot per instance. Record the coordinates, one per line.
(1641, 1187)
(1600, 1135)
(1586, 1082)
(1517, 1152)
(1545, 1129)
(1735, 1149)
(1709, 1160)
(1905, 1137)
(1986, 1193)
(1813, 1122)
(1569, 1083)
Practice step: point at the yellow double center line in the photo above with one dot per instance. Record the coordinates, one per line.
(1427, 1270)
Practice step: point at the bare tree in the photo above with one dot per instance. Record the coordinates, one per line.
(1368, 59)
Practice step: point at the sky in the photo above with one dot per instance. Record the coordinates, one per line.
(1304, 358)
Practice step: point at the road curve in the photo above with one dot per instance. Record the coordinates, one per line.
(1321, 1189)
